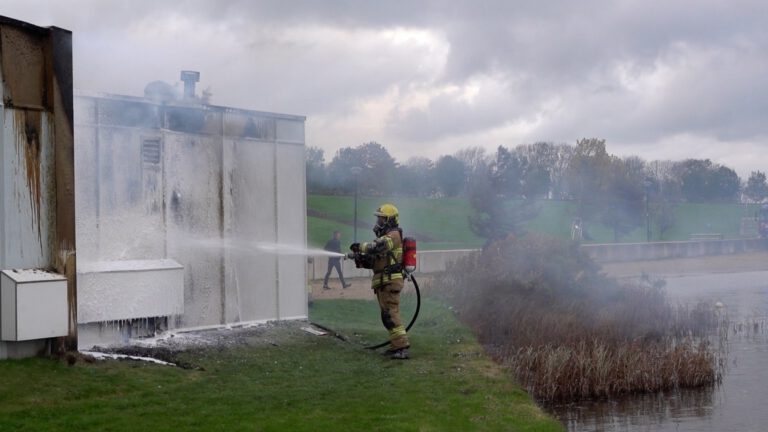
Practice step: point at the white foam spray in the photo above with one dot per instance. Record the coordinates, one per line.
(254, 247)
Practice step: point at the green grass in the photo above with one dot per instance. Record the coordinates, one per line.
(449, 384)
(709, 218)
(440, 223)
(444, 221)
(287, 380)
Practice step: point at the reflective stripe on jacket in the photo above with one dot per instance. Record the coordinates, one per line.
(387, 251)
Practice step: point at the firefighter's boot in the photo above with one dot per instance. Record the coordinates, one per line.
(399, 354)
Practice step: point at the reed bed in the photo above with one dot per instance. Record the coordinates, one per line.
(596, 369)
(568, 332)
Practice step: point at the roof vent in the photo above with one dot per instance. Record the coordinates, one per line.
(190, 78)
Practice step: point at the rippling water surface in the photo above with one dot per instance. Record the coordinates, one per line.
(740, 403)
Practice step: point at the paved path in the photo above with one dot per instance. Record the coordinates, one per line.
(360, 289)
(736, 263)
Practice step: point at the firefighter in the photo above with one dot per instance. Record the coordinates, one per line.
(385, 256)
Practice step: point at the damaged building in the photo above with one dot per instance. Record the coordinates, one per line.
(175, 199)
(176, 206)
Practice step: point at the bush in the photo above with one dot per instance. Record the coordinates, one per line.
(568, 331)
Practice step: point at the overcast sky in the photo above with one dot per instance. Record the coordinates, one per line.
(662, 80)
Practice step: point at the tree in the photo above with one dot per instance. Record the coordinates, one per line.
(499, 208)
(475, 160)
(607, 188)
(666, 181)
(542, 162)
(664, 216)
(506, 173)
(559, 170)
(315, 165)
(487, 218)
(416, 177)
(586, 176)
(623, 196)
(703, 181)
(450, 175)
(756, 189)
(377, 176)
(664, 194)
(340, 175)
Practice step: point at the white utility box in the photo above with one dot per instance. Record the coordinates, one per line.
(33, 305)
(130, 289)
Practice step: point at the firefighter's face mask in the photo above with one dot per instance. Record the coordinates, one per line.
(381, 223)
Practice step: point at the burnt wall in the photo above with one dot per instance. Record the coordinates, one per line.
(36, 72)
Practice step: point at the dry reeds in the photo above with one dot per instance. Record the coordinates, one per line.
(596, 369)
(569, 333)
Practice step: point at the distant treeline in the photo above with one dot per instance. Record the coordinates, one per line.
(541, 170)
(502, 187)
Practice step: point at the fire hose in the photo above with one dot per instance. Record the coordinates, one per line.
(415, 313)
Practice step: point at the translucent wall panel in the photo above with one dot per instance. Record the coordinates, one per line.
(291, 229)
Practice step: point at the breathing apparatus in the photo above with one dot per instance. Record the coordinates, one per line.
(387, 219)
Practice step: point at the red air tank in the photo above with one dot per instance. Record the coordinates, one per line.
(409, 254)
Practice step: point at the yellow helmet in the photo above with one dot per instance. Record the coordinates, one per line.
(388, 211)
(387, 219)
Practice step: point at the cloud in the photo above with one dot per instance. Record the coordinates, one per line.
(429, 77)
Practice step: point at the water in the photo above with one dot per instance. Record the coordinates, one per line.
(248, 246)
(738, 404)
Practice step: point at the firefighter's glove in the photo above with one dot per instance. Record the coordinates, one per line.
(355, 247)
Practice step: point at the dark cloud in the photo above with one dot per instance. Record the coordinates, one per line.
(434, 75)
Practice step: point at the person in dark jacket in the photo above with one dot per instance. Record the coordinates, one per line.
(334, 245)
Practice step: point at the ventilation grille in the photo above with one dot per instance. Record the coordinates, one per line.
(150, 152)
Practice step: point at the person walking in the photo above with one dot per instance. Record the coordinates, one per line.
(385, 257)
(334, 245)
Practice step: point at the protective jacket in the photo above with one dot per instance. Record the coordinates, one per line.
(387, 254)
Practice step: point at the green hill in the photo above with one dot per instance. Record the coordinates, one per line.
(436, 223)
(442, 223)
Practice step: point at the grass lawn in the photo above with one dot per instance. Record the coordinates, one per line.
(443, 223)
(282, 380)
(709, 218)
(437, 223)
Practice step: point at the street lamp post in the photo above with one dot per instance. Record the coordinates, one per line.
(647, 183)
(356, 171)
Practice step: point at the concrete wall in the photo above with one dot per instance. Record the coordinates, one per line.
(37, 223)
(665, 250)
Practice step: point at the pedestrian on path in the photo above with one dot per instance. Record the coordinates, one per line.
(334, 245)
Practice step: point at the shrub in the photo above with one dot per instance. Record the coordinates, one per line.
(568, 331)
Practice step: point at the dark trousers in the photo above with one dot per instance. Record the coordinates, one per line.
(334, 263)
